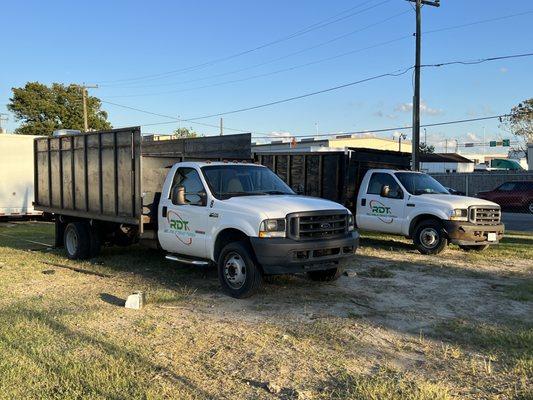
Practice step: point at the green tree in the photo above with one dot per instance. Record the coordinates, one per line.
(520, 123)
(42, 109)
(183, 133)
(426, 149)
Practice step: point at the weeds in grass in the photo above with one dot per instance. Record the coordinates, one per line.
(376, 272)
(522, 291)
(385, 384)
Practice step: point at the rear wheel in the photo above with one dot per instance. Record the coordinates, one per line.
(474, 247)
(429, 238)
(77, 241)
(238, 273)
(326, 275)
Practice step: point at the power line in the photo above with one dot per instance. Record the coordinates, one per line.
(390, 74)
(272, 60)
(304, 64)
(292, 68)
(393, 74)
(397, 128)
(173, 119)
(303, 31)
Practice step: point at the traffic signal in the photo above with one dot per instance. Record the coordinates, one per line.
(506, 142)
(493, 143)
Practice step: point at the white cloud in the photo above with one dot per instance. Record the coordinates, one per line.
(472, 136)
(424, 108)
(280, 134)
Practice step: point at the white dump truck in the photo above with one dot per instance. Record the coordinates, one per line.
(16, 176)
(386, 197)
(112, 187)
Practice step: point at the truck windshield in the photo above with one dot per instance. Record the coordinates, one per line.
(227, 181)
(416, 183)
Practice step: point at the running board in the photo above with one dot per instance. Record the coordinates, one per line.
(186, 260)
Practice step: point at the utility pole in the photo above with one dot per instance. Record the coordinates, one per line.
(416, 97)
(84, 88)
(221, 126)
(3, 117)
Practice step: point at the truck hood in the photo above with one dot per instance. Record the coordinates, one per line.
(278, 206)
(452, 201)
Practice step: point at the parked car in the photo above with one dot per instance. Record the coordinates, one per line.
(517, 195)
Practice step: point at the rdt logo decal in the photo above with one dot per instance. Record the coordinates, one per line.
(381, 211)
(179, 227)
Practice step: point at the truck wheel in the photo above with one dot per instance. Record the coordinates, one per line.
(77, 241)
(474, 247)
(238, 273)
(326, 275)
(429, 238)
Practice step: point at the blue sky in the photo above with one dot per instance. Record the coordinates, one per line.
(116, 43)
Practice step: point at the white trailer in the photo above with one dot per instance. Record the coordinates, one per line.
(16, 176)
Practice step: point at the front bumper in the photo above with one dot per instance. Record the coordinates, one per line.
(286, 256)
(465, 233)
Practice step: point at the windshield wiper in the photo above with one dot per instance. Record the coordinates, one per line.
(277, 192)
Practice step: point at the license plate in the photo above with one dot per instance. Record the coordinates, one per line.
(491, 237)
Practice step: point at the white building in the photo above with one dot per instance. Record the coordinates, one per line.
(445, 163)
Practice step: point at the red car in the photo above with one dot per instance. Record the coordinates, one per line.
(512, 195)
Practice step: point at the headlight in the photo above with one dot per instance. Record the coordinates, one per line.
(351, 223)
(459, 214)
(271, 228)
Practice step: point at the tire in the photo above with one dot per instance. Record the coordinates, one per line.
(474, 247)
(77, 241)
(326, 275)
(238, 273)
(429, 237)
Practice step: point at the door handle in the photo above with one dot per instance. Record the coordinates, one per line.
(164, 212)
(363, 202)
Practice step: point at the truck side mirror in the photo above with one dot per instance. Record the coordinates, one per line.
(178, 196)
(385, 191)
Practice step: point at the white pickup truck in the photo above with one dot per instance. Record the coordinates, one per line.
(238, 216)
(415, 205)
(385, 197)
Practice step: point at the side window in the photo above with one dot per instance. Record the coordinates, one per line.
(190, 180)
(507, 187)
(380, 179)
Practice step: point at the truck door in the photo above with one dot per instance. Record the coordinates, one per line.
(381, 208)
(182, 228)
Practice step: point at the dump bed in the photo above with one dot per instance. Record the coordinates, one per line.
(333, 175)
(115, 175)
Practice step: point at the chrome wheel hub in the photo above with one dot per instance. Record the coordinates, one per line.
(71, 241)
(234, 270)
(429, 237)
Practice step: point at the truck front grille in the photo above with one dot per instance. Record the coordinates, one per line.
(485, 215)
(317, 225)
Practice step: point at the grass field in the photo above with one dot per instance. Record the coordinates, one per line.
(399, 325)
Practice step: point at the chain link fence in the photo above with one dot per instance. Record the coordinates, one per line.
(512, 190)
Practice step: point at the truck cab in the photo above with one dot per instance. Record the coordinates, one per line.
(415, 205)
(246, 220)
